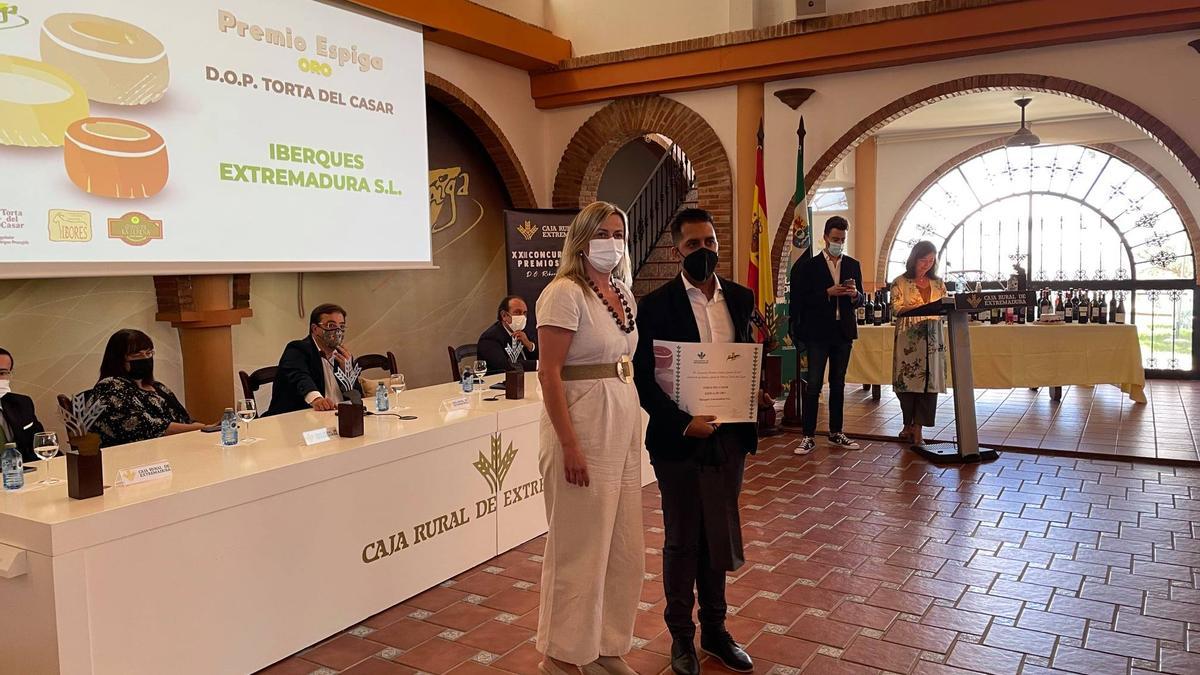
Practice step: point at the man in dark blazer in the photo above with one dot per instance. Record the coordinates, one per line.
(306, 377)
(509, 332)
(18, 421)
(699, 464)
(825, 296)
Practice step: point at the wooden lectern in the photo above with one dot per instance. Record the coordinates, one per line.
(957, 308)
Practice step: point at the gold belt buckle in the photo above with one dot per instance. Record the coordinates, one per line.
(625, 369)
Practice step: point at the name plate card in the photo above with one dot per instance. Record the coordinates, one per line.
(460, 403)
(142, 474)
(314, 436)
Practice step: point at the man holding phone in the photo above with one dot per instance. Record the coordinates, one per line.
(825, 292)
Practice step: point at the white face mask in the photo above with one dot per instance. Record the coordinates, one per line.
(518, 323)
(835, 249)
(605, 254)
(5, 387)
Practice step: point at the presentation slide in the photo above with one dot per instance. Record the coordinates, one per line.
(155, 137)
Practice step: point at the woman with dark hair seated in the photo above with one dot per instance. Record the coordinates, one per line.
(136, 406)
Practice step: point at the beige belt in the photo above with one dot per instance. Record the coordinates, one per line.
(622, 370)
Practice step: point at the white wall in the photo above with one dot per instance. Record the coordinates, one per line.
(503, 92)
(1168, 91)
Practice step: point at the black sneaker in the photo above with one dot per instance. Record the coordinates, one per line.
(723, 647)
(842, 441)
(806, 446)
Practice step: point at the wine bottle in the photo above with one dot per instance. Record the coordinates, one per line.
(1022, 314)
(1070, 308)
(996, 314)
(1120, 313)
(1103, 306)
(1058, 305)
(860, 314)
(878, 317)
(887, 304)
(869, 316)
(1095, 308)
(1112, 308)
(1085, 309)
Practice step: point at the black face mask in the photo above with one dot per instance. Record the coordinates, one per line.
(700, 264)
(142, 369)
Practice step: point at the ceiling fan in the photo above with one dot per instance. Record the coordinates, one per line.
(1023, 137)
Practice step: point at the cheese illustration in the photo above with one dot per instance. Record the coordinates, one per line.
(117, 158)
(116, 62)
(37, 103)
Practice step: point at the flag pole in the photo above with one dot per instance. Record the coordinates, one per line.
(801, 220)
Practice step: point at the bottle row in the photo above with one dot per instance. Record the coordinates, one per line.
(1074, 307)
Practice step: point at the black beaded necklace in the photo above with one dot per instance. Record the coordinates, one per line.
(629, 324)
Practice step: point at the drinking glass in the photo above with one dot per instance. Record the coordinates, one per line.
(396, 386)
(246, 411)
(45, 446)
(480, 370)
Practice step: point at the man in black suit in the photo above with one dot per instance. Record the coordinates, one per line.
(18, 422)
(698, 464)
(306, 377)
(509, 333)
(825, 292)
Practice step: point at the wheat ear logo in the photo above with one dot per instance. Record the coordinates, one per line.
(494, 467)
(527, 230)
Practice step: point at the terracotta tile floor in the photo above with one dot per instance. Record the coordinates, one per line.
(876, 561)
(1096, 420)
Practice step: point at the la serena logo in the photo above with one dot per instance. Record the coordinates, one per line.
(494, 468)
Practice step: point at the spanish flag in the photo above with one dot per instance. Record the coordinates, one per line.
(759, 277)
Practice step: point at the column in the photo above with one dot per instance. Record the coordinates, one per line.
(864, 226)
(204, 309)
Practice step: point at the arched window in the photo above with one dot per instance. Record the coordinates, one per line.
(1076, 218)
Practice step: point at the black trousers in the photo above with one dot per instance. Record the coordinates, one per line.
(703, 537)
(837, 356)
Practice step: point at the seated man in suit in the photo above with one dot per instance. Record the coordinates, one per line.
(18, 423)
(509, 335)
(306, 377)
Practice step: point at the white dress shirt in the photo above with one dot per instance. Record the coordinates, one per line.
(333, 391)
(712, 316)
(835, 270)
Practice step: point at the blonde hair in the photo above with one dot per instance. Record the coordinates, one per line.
(579, 236)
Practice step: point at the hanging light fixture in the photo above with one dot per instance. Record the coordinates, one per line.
(1023, 136)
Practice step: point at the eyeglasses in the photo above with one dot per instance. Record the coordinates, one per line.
(144, 354)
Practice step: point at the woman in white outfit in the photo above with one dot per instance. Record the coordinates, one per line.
(591, 445)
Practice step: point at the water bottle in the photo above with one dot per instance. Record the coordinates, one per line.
(229, 428)
(13, 467)
(381, 397)
(468, 382)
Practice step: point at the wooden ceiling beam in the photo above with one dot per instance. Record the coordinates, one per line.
(1021, 24)
(479, 30)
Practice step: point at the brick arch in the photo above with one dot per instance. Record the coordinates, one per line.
(1120, 107)
(1160, 181)
(489, 134)
(598, 139)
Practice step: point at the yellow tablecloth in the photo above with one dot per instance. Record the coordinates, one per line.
(1010, 357)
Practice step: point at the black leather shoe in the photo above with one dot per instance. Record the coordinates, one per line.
(684, 660)
(723, 647)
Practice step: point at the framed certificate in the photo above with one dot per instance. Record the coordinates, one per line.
(714, 378)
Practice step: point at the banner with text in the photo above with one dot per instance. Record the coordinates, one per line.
(533, 241)
(144, 136)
